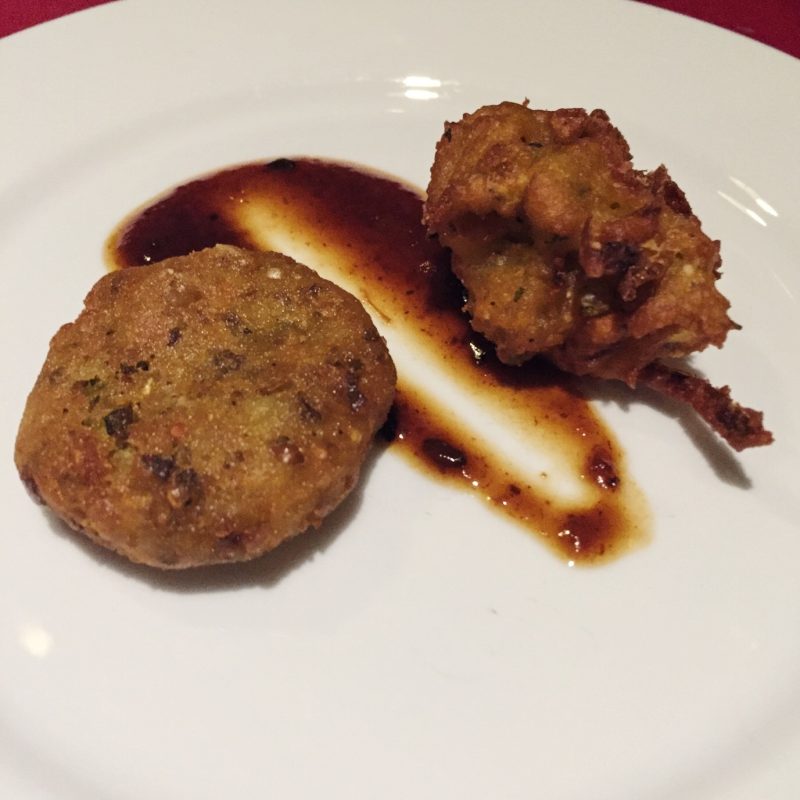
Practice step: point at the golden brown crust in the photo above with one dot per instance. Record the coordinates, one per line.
(740, 426)
(566, 250)
(204, 409)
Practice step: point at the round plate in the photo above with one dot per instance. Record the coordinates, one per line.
(419, 645)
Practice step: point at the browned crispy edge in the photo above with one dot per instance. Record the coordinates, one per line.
(741, 427)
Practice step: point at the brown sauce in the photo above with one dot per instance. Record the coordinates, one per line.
(367, 228)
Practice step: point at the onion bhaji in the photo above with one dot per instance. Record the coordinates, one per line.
(205, 408)
(566, 251)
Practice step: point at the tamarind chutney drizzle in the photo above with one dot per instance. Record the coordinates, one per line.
(372, 224)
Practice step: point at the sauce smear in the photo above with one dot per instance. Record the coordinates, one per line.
(369, 226)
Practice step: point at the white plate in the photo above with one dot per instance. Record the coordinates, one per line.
(421, 646)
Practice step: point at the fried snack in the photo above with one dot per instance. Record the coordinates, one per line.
(567, 251)
(205, 408)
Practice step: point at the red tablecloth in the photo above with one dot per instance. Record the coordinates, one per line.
(774, 22)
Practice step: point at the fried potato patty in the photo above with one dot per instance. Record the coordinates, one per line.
(205, 408)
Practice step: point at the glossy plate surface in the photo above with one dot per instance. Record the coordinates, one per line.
(418, 646)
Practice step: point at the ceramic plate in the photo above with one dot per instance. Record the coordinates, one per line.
(419, 645)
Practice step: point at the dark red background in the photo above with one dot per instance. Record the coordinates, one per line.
(774, 22)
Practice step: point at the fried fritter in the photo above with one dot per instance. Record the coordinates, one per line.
(567, 251)
(205, 408)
